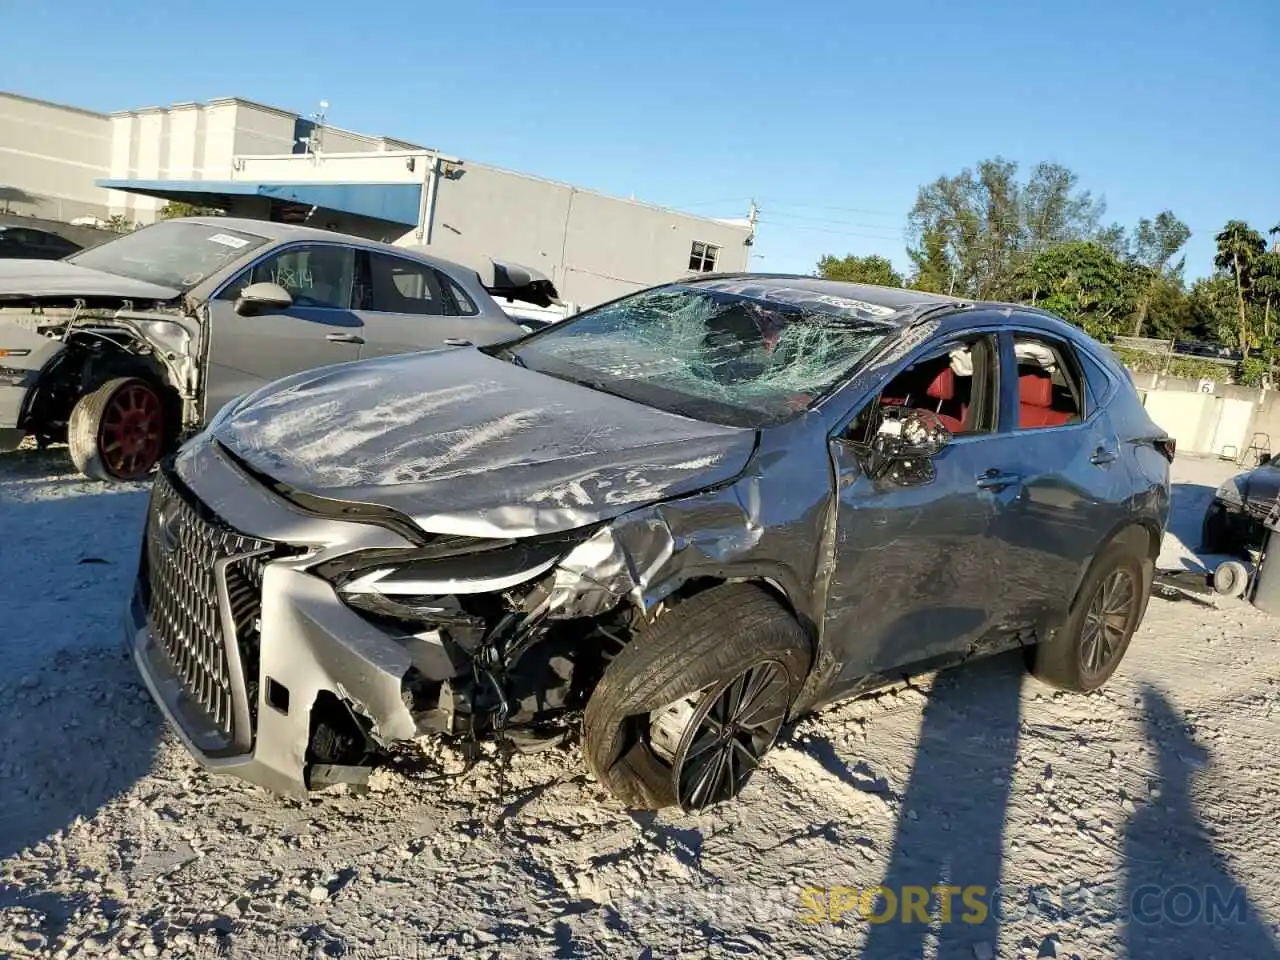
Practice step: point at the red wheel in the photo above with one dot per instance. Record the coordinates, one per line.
(117, 432)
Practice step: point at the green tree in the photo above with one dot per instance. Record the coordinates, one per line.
(176, 208)
(1155, 244)
(871, 269)
(1239, 248)
(988, 224)
(932, 270)
(1212, 309)
(1082, 282)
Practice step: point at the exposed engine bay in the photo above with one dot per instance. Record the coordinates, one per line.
(60, 349)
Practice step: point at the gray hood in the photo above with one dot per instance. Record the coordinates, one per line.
(467, 444)
(22, 279)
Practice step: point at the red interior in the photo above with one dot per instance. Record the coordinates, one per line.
(1035, 401)
(941, 390)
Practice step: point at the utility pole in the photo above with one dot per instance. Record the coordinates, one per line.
(752, 214)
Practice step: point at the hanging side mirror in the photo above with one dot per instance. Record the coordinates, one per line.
(904, 444)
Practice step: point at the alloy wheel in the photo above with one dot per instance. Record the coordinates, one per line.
(733, 726)
(1107, 621)
(131, 434)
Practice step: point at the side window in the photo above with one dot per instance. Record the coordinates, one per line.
(316, 275)
(1097, 383)
(959, 381)
(397, 285)
(462, 304)
(1050, 388)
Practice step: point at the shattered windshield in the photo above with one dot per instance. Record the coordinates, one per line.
(736, 358)
(175, 253)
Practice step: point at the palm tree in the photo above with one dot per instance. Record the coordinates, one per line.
(1239, 247)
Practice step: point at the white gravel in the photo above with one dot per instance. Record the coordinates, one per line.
(113, 843)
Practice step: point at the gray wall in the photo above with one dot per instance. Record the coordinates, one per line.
(50, 158)
(593, 247)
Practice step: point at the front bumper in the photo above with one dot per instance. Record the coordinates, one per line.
(12, 400)
(238, 670)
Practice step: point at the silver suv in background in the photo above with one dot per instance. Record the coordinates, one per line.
(122, 349)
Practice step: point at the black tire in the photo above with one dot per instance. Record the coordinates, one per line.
(1062, 660)
(705, 640)
(1215, 532)
(94, 427)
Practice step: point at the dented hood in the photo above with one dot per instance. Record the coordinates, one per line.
(471, 445)
(32, 279)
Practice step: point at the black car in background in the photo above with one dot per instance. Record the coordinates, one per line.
(28, 243)
(1234, 520)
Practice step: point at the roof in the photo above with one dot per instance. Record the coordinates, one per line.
(393, 202)
(861, 301)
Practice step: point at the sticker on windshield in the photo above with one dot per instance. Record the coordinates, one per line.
(229, 241)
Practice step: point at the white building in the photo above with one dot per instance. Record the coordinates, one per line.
(248, 159)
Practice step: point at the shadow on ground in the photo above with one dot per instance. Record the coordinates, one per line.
(950, 830)
(1181, 897)
(77, 729)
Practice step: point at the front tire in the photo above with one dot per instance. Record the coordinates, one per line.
(117, 432)
(1086, 650)
(685, 713)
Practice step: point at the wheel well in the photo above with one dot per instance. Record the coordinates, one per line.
(701, 584)
(87, 363)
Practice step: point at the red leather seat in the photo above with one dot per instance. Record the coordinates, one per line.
(941, 389)
(1035, 402)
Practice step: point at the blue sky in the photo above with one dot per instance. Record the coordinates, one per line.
(830, 114)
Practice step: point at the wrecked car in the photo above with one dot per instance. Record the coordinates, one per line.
(124, 349)
(670, 522)
(1235, 520)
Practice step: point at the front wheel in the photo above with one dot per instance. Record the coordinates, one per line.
(1084, 653)
(117, 432)
(685, 714)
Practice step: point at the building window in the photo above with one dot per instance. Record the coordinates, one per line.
(702, 258)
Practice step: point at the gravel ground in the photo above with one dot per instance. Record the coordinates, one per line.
(1143, 821)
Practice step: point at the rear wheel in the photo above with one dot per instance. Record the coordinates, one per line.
(685, 714)
(1089, 646)
(117, 432)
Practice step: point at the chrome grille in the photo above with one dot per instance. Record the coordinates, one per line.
(189, 554)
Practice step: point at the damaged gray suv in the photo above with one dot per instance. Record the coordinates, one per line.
(670, 523)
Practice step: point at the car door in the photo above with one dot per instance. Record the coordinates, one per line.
(1067, 483)
(407, 305)
(320, 328)
(914, 571)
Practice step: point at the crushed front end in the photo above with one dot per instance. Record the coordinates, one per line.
(292, 648)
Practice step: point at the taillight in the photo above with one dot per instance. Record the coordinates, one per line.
(1168, 447)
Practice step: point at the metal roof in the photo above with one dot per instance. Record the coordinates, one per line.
(392, 202)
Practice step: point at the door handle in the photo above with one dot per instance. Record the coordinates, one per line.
(1103, 455)
(457, 342)
(343, 338)
(994, 480)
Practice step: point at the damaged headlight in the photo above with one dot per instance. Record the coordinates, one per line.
(448, 565)
(1230, 492)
